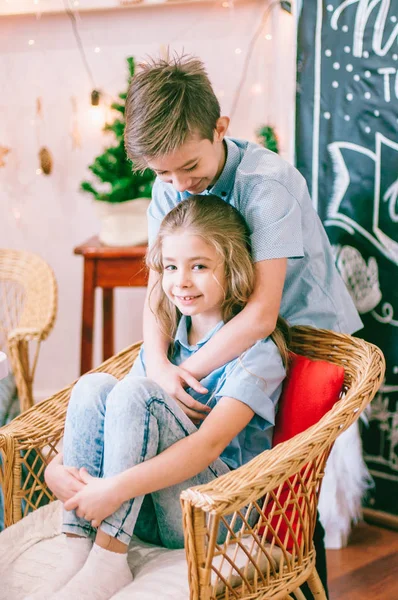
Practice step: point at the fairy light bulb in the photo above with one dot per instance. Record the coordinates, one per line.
(97, 116)
(256, 89)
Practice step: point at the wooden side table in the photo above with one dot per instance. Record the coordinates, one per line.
(106, 267)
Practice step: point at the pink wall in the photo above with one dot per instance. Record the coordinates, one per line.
(54, 216)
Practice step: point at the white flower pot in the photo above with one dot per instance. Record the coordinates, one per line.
(123, 223)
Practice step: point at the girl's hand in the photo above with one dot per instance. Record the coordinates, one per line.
(64, 482)
(98, 499)
(173, 380)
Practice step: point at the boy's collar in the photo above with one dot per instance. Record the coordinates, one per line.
(224, 184)
(182, 333)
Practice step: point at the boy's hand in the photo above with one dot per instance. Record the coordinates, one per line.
(98, 499)
(173, 379)
(64, 482)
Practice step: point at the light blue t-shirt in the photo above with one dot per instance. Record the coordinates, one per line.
(273, 198)
(255, 378)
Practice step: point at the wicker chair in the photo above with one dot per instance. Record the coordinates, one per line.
(248, 565)
(28, 307)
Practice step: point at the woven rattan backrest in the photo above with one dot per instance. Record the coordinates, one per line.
(28, 293)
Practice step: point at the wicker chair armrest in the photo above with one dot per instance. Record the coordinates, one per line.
(34, 435)
(253, 480)
(37, 426)
(44, 421)
(273, 467)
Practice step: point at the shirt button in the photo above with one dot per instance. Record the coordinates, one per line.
(223, 194)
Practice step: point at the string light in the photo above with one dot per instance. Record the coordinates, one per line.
(17, 214)
(31, 42)
(73, 20)
(238, 51)
(285, 5)
(97, 116)
(97, 50)
(256, 89)
(225, 4)
(268, 36)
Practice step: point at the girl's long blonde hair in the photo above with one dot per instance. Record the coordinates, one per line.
(223, 227)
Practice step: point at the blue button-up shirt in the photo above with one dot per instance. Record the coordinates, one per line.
(273, 198)
(255, 378)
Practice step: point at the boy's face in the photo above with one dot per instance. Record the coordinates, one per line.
(196, 165)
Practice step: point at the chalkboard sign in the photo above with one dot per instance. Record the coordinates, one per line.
(347, 149)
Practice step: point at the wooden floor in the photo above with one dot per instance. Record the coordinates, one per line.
(368, 568)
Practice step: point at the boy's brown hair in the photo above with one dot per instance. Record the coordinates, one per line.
(168, 100)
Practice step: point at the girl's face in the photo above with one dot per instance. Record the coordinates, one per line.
(193, 275)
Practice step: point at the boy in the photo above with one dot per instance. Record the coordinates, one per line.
(174, 127)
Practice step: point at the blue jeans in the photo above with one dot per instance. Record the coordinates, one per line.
(113, 425)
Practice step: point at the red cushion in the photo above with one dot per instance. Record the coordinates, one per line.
(310, 390)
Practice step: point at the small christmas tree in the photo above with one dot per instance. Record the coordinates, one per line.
(114, 169)
(267, 137)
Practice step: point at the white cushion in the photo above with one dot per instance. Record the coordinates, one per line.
(31, 552)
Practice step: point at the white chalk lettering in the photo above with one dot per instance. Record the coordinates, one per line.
(386, 72)
(364, 10)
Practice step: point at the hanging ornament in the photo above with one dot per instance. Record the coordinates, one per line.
(45, 158)
(46, 161)
(3, 152)
(75, 130)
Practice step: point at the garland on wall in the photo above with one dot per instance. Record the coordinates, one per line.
(100, 100)
(4, 150)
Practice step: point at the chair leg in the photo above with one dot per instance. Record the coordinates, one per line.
(316, 587)
(298, 594)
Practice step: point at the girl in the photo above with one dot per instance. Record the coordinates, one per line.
(129, 449)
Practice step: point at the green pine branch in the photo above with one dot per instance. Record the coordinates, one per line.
(267, 137)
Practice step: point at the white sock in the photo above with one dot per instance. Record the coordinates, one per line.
(75, 553)
(102, 576)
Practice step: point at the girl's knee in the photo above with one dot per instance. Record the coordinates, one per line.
(92, 389)
(133, 391)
